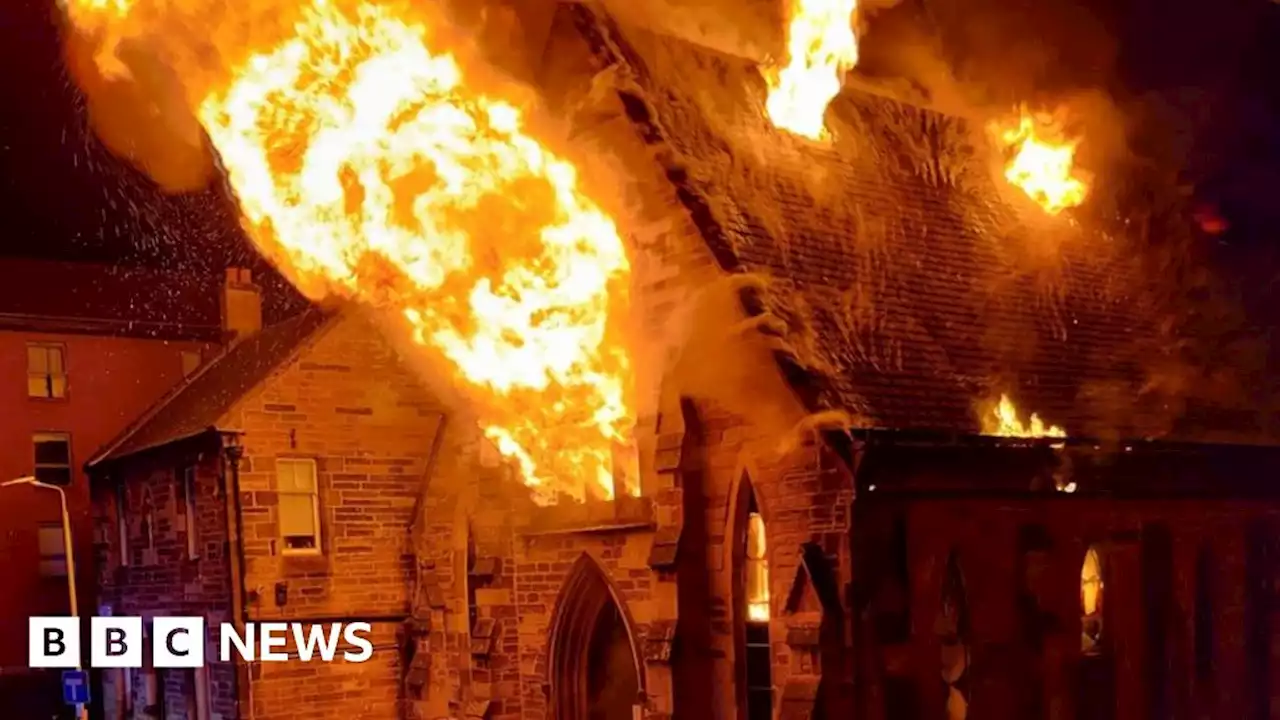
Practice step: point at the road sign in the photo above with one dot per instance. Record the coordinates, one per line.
(75, 687)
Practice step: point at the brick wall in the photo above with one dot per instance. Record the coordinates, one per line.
(161, 577)
(332, 691)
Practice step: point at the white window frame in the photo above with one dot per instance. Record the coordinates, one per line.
(46, 376)
(309, 463)
(187, 477)
(57, 531)
(40, 437)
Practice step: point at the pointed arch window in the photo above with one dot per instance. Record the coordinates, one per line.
(1204, 616)
(757, 667)
(952, 628)
(1091, 599)
(757, 570)
(473, 609)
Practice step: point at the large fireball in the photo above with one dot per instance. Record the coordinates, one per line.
(366, 167)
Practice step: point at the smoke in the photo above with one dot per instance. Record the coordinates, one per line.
(141, 116)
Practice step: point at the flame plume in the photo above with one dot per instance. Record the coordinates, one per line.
(1042, 164)
(1003, 421)
(821, 48)
(366, 168)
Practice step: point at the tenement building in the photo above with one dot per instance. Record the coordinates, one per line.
(80, 356)
(823, 530)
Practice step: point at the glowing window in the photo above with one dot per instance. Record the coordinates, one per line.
(46, 371)
(299, 505)
(757, 570)
(1091, 602)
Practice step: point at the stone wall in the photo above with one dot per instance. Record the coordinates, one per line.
(348, 403)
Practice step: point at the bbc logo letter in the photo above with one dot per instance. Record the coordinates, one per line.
(179, 642)
(53, 642)
(116, 642)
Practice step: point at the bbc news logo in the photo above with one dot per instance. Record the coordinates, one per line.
(179, 642)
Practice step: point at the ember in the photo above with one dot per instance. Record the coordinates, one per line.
(366, 168)
(1042, 163)
(821, 48)
(1003, 421)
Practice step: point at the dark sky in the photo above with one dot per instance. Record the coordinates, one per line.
(1210, 67)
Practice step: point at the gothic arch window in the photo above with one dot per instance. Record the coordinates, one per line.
(1095, 682)
(1091, 599)
(757, 569)
(953, 636)
(752, 591)
(473, 610)
(1204, 616)
(593, 672)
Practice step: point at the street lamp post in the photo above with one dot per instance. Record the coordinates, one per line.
(82, 712)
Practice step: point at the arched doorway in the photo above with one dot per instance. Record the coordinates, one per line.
(592, 666)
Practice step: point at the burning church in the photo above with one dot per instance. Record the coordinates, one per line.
(718, 424)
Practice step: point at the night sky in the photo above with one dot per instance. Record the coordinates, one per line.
(1207, 68)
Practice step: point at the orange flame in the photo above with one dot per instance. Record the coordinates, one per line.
(365, 168)
(821, 48)
(1042, 164)
(1003, 421)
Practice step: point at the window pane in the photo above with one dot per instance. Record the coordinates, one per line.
(54, 475)
(300, 542)
(53, 356)
(758, 670)
(38, 386)
(37, 360)
(52, 450)
(760, 705)
(51, 541)
(53, 567)
(57, 386)
(296, 476)
(297, 515)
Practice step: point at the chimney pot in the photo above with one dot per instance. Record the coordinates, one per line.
(241, 305)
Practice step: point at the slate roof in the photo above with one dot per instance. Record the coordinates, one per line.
(113, 299)
(199, 404)
(913, 290)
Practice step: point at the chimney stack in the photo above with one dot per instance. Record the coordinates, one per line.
(241, 305)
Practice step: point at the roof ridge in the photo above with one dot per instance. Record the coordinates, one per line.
(602, 31)
(159, 405)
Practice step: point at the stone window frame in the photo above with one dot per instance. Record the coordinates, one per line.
(582, 597)
(317, 527)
